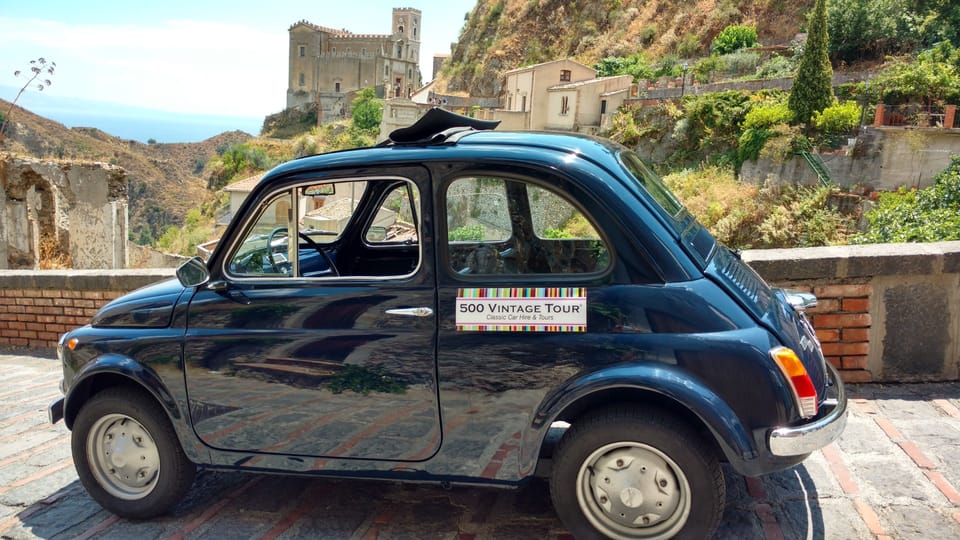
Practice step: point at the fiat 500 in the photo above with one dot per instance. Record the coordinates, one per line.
(462, 306)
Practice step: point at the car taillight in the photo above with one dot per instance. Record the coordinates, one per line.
(800, 383)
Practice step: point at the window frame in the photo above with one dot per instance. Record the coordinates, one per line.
(444, 260)
(292, 190)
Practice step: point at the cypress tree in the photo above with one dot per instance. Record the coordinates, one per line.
(812, 89)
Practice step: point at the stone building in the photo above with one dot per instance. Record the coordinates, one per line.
(326, 64)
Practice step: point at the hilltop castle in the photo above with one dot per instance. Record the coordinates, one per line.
(326, 64)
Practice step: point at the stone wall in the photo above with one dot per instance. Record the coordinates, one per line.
(883, 158)
(71, 213)
(887, 313)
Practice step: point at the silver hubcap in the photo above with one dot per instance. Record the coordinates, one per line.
(632, 490)
(123, 457)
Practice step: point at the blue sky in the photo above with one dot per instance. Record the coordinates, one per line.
(213, 57)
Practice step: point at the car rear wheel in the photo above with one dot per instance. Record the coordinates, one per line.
(128, 456)
(634, 473)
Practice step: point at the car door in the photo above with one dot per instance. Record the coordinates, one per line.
(323, 346)
(520, 264)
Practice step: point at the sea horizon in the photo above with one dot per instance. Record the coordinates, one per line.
(130, 122)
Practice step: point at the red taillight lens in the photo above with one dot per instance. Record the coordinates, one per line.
(800, 383)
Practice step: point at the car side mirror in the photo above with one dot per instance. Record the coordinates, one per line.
(193, 272)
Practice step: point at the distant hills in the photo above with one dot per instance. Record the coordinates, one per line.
(129, 122)
(165, 180)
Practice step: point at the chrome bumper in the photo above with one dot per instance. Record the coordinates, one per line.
(55, 411)
(821, 431)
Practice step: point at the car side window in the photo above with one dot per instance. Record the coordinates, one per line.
(342, 229)
(265, 250)
(508, 226)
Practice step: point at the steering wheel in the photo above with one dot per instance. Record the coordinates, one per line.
(270, 259)
(278, 267)
(320, 250)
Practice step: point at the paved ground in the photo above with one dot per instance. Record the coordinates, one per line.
(895, 473)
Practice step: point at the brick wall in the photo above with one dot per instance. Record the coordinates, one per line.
(842, 322)
(885, 313)
(36, 317)
(37, 307)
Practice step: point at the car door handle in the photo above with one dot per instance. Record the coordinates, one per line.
(411, 312)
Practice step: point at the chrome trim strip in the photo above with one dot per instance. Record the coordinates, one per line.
(804, 439)
(411, 312)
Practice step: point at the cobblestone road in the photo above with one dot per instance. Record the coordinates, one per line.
(895, 473)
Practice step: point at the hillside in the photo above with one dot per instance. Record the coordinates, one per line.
(500, 35)
(165, 180)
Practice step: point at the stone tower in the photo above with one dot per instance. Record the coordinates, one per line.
(325, 64)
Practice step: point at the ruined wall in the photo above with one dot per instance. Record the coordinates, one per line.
(62, 214)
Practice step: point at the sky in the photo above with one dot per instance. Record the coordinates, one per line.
(197, 57)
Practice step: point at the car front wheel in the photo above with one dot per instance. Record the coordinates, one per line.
(128, 456)
(635, 473)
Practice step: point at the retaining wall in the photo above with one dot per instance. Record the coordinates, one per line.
(887, 313)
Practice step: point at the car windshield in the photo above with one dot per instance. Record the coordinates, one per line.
(652, 183)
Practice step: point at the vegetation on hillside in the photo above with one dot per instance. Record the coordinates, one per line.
(499, 35)
(747, 216)
(926, 215)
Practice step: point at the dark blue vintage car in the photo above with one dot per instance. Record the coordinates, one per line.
(457, 305)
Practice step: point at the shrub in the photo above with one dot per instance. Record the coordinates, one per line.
(706, 67)
(734, 38)
(838, 119)
(741, 215)
(765, 115)
(777, 67)
(741, 63)
(927, 215)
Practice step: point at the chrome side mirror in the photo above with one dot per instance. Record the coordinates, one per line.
(800, 301)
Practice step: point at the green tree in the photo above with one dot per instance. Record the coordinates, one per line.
(733, 38)
(812, 89)
(367, 110)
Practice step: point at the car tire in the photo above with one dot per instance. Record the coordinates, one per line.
(128, 456)
(636, 473)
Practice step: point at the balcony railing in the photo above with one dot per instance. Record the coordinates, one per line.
(916, 115)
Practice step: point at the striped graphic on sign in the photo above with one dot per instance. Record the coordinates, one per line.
(522, 309)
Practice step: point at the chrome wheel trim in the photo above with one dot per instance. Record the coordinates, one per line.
(629, 490)
(123, 457)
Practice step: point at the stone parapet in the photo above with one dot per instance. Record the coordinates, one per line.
(887, 312)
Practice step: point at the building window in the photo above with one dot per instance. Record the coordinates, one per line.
(336, 87)
(303, 51)
(333, 50)
(523, 104)
(564, 105)
(414, 32)
(363, 51)
(564, 75)
(400, 29)
(302, 80)
(386, 69)
(400, 52)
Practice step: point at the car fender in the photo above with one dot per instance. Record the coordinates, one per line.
(671, 383)
(110, 366)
